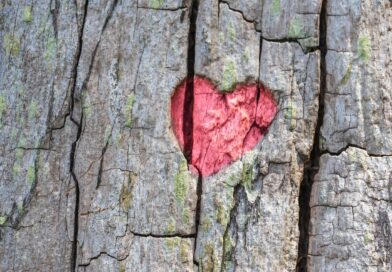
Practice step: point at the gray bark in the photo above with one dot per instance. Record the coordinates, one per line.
(93, 179)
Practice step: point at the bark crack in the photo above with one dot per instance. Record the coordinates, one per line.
(188, 109)
(344, 149)
(240, 12)
(74, 144)
(175, 235)
(312, 165)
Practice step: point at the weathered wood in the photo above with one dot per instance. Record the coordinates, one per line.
(93, 177)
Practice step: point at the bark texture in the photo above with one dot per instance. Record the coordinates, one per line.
(93, 178)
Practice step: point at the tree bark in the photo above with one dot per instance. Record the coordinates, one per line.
(94, 177)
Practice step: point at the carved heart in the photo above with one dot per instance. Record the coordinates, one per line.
(215, 128)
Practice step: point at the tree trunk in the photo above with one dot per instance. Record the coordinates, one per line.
(130, 139)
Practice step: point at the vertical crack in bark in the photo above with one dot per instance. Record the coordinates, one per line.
(312, 166)
(231, 228)
(188, 105)
(74, 144)
(188, 100)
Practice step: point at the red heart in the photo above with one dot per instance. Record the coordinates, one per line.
(215, 128)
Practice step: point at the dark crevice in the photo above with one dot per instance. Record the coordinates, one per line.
(99, 178)
(54, 10)
(74, 144)
(102, 254)
(16, 215)
(305, 50)
(312, 165)
(344, 149)
(163, 9)
(228, 252)
(188, 108)
(176, 235)
(199, 192)
(110, 13)
(77, 199)
(189, 99)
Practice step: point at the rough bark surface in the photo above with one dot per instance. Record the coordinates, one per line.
(93, 178)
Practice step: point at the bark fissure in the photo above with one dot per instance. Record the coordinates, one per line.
(344, 149)
(242, 14)
(175, 235)
(74, 144)
(100, 255)
(312, 165)
(188, 108)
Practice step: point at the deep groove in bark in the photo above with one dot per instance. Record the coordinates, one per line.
(79, 124)
(184, 236)
(312, 165)
(188, 105)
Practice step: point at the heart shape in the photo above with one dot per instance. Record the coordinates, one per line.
(215, 128)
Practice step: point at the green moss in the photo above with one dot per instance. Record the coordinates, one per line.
(3, 219)
(87, 111)
(19, 155)
(3, 107)
(368, 238)
(181, 182)
(20, 207)
(21, 144)
(222, 215)
(125, 198)
(128, 110)
(231, 31)
(156, 4)
(172, 243)
(33, 111)
(184, 251)
(364, 48)
(231, 181)
(228, 246)
(86, 105)
(229, 76)
(247, 175)
(186, 215)
(11, 44)
(291, 115)
(210, 262)
(28, 14)
(229, 243)
(31, 175)
(51, 48)
(296, 28)
(308, 43)
(206, 224)
(221, 37)
(16, 169)
(126, 194)
(171, 227)
(347, 75)
(122, 268)
(276, 7)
